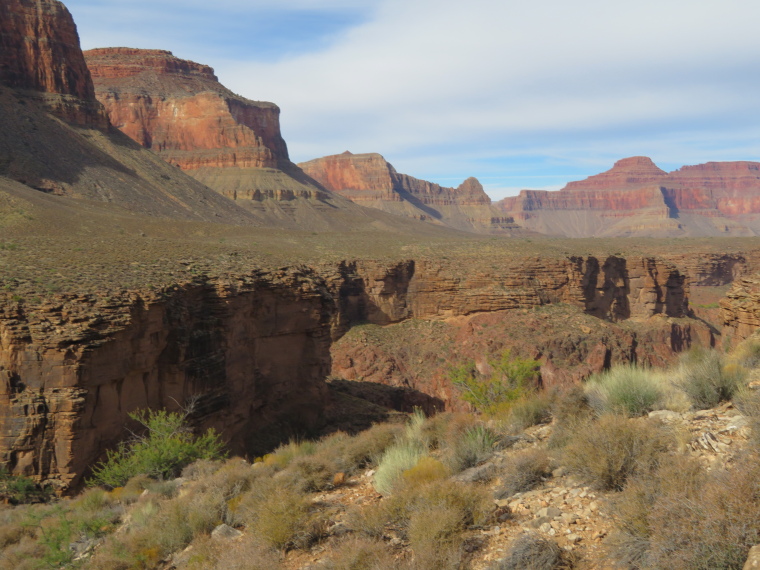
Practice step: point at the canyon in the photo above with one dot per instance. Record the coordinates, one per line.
(369, 180)
(160, 250)
(636, 198)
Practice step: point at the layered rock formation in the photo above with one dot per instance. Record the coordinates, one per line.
(741, 309)
(178, 109)
(39, 53)
(636, 197)
(251, 353)
(42, 69)
(368, 179)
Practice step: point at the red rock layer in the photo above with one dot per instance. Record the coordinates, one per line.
(635, 186)
(180, 110)
(39, 51)
(365, 177)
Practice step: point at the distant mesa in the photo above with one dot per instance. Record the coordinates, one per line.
(368, 179)
(636, 198)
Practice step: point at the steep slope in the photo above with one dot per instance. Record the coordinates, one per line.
(368, 179)
(56, 138)
(178, 109)
(636, 198)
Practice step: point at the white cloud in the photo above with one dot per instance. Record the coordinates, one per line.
(464, 85)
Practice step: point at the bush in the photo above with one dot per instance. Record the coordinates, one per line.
(524, 472)
(625, 389)
(361, 554)
(427, 470)
(162, 453)
(17, 489)
(707, 380)
(510, 380)
(609, 451)
(533, 551)
(748, 402)
(473, 446)
(682, 517)
(398, 458)
(530, 410)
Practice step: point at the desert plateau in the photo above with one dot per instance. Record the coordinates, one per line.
(221, 350)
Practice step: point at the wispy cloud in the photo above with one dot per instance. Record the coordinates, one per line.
(447, 89)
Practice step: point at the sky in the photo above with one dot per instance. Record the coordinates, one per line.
(518, 94)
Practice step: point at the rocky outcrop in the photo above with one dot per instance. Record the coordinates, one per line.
(636, 197)
(39, 52)
(741, 309)
(368, 179)
(251, 352)
(613, 289)
(178, 109)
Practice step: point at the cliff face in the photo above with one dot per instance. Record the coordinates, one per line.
(741, 309)
(39, 52)
(178, 109)
(635, 197)
(254, 350)
(368, 179)
(251, 352)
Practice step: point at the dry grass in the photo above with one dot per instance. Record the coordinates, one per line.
(526, 470)
(609, 451)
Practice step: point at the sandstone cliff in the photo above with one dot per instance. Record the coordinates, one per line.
(636, 197)
(43, 78)
(39, 53)
(368, 179)
(251, 351)
(741, 309)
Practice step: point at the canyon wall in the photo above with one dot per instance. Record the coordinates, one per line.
(636, 197)
(740, 309)
(252, 352)
(178, 109)
(39, 53)
(369, 180)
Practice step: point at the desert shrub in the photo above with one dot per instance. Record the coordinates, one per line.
(473, 446)
(530, 410)
(747, 353)
(571, 411)
(609, 451)
(361, 554)
(246, 553)
(426, 471)
(531, 550)
(748, 402)
(365, 448)
(310, 473)
(525, 470)
(683, 518)
(625, 389)
(707, 379)
(168, 446)
(17, 489)
(397, 458)
(283, 455)
(511, 378)
(281, 516)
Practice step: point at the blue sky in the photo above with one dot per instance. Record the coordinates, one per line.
(520, 95)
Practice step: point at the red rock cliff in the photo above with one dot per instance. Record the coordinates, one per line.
(636, 197)
(39, 51)
(180, 110)
(370, 180)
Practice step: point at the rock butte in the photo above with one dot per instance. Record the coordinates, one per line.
(370, 180)
(636, 197)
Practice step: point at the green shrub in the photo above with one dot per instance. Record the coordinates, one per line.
(511, 379)
(525, 471)
(472, 447)
(17, 489)
(609, 451)
(625, 389)
(162, 453)
(707, 379)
